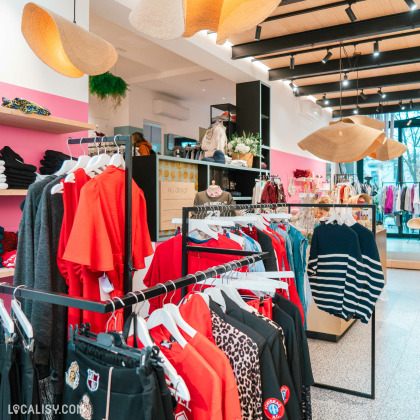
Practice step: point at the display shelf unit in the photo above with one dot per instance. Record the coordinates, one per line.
(13, 193)
(229, 124)
(148, 171)
(253, 113)
(6, 272)
(55, 125)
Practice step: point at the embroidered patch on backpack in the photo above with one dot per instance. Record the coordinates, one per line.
(92, 380)
(85, 408)
(73, 375)
(274, 409)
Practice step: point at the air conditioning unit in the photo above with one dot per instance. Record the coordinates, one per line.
(170, 110)
(309, 109)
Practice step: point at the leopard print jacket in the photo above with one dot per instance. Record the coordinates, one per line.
(242, 353)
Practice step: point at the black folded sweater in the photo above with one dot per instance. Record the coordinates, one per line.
(14, 161)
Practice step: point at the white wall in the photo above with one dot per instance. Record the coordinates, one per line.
(137, 107)
(20, 66)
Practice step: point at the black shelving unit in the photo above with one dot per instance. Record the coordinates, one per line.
(229, 124)
(253, 101)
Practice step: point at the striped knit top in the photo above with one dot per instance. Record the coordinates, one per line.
(374, 281)
(336, 269)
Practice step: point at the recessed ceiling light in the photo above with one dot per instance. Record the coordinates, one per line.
(224, 98)
(203, 90)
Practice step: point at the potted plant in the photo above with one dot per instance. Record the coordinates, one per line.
(245, 147)
(108, 86)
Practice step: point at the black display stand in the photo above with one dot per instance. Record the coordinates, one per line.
(186, 248)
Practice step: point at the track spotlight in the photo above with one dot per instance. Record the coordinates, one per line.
(376, 49)
(258, 33)
(363, 96)
(402, 106)
(327, 57)
(292, 62)
(381, 94)
(411, 104)
(378, 108)
(411, 4)
(409, 123)
(351, 14)
(325, 100)
(345, 81)
(293, 87)
(356, 110)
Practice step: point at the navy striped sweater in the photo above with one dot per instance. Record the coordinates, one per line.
(335, 268)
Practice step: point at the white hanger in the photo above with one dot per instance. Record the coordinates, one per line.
(348, 219)
(6, 320)
(99, 163)
(202, 226)
(18, 315)
(176, 315)
(82, 161)
(335, 217)
(143, 334)
(163, 317)
(117, 159)
(67, 165)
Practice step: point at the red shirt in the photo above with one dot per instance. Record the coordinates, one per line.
(219, 362)
(71, 272)
(96, 240)
(166, 264)
(203, 383)
(265, 307)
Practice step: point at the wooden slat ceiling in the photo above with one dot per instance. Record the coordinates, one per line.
(365, 9)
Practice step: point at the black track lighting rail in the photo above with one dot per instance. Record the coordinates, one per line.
(364, 62)
(383, 109)
(366, 83)
(404, 95)
(339, 33)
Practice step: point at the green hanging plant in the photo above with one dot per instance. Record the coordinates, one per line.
(107, 85)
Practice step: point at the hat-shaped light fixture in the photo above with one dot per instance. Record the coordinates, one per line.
(363, 120)
(390, 150)
(64, 46)
(343, 142)
(161, 19)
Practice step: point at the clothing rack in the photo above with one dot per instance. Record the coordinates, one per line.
(128, 299)
(228, 208)
(344, 178)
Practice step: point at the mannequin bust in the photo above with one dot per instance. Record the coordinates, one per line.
(214, 190)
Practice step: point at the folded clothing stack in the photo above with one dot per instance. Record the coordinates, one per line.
(3, 185)
(18, 175)
(8, 246)
(52, 162)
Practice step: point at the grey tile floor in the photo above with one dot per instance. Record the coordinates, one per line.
(347, 363)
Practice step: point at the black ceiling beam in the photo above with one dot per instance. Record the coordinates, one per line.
(403, 95)
(344, 45)
(389, 109)
(311, 10)
(364, 62)
(289, 2)
(366, 83)
(355, 30)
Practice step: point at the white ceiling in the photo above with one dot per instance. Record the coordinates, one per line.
(143, 63)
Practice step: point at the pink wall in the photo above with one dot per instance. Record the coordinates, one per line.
(283, 164)
(31, 145)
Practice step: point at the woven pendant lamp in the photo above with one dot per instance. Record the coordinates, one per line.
(343, 142)
(64, 46)
(160, 19)
(363, 120)
(226, 17)
(390, 150)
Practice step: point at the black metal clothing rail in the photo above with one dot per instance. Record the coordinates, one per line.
(134, 296)
(226, 208)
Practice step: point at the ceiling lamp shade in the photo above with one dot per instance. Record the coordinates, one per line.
(160, 19)
(64, 46)
(364, 120)
(343, 142)
(390, 150)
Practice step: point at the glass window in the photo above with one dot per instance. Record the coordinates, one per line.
(153, 133)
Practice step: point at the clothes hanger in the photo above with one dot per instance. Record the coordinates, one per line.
(142, 332)
(216, 295)
(82, 161)
(163, 317)
(20, 320)
(348, 219)
(99, 163)
(67, 165)
(117, 159)
(176, 315)
(335, 217)
(7, 321)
